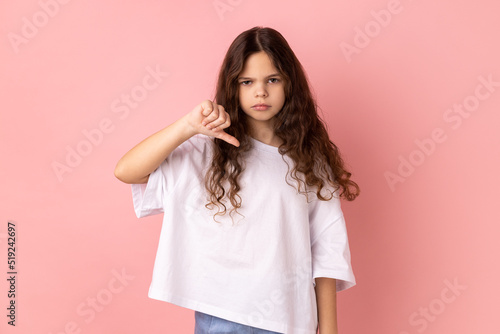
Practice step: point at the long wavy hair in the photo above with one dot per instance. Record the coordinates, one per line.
(316, 159)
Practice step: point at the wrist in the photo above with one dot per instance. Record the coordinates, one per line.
(184, 128)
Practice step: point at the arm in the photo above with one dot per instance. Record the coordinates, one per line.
(206, 118)
(326, 300)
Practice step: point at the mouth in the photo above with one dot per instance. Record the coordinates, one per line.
(261, 106)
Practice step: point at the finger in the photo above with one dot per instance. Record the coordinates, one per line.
(224, 125)
(222, 119)
(206, 110)
(217, 117)
(227, 138)
(212, 117)
(206, 107)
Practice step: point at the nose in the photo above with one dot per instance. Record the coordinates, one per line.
(260, 90)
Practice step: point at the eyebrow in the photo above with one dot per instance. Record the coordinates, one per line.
(272, 75)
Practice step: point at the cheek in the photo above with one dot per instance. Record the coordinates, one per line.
(242, 98)
(281, 95)
(241, 101)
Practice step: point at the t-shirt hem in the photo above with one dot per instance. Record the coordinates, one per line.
(222, 313)
(344, 281)
(145, 193)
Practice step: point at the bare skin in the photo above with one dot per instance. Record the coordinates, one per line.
(326, 300)
(207, 118)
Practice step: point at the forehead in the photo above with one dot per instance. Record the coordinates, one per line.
(258, 65)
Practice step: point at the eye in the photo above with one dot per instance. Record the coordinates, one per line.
(246, 82)
(274, 80)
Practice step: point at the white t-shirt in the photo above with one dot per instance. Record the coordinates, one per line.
(260, 271)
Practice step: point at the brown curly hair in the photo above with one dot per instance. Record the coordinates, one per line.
(304, 135)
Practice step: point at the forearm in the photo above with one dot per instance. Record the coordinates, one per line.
(207, 118)
(136, 165)
(326, 300)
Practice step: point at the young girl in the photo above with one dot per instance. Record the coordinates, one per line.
(253, 237)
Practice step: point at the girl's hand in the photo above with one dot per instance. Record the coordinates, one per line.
(210, 119)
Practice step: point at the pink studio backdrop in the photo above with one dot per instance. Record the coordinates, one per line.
(410, 91)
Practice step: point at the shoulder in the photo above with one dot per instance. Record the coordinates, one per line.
(188, 159)
(329, 208)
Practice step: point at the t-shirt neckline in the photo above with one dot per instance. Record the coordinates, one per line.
(263, 146)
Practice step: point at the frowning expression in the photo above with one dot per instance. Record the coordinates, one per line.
(261, 90)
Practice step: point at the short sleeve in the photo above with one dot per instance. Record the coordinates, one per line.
(331, 255)
(149, 198)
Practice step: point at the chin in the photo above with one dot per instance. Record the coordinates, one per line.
(262, 119)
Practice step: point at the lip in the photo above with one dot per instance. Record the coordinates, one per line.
(261, 106)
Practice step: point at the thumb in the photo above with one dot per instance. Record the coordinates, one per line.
(221, 134)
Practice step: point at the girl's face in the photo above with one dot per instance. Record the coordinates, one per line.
(261, 90)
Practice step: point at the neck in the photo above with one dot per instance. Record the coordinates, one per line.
(265, 134)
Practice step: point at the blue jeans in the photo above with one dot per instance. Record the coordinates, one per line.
(208, 324)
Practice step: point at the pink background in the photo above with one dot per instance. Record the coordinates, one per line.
(410, 240)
